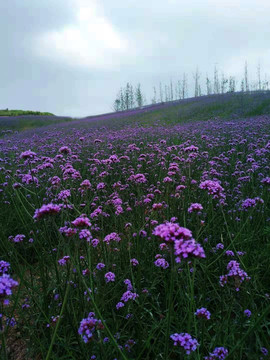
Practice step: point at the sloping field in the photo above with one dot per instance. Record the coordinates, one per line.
(141, 237)
(201, 108)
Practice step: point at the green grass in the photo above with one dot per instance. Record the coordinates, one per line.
(23, 112)
(240, 105)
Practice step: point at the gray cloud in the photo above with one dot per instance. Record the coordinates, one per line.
(71, 57)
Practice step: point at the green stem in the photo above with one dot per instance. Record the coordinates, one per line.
(103, 322)
(170, 303)
(58, 323)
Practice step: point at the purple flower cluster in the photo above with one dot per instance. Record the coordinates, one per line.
(17, 239)
(214, 188)
(235, 272)
(247, 313)
(4, 267)
(112, 237)
(134, 262)
(81, 221)
(249, 203)
(186, 341)
(170, 232)
(50, 209)
(161, 262)
(129, 295)
(6, 286)
(195, 207)
(28, 154)
(64, 260)
(109, 277)
(88, 326)
(203, 313)
(181, 238)
(100, 266)
(219, 353)
(138, 178)
(184, 249)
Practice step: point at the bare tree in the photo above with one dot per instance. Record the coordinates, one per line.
(139, 96)
(167, 95)
(216, 82)
(160, 92)
(208, 86)
(259, 76)
(266, 83)
(246, 78)
(197, 86)
(242, 85)
(116, 105)
(131, 97)
(154, 99)
(184, 86)
(224, 83)
(232, 84)
(171, 90)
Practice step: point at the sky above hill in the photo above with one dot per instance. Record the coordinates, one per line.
(71, 57)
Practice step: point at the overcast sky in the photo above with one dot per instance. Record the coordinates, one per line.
(71, 57)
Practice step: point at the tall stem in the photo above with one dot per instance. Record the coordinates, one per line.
(170, 306)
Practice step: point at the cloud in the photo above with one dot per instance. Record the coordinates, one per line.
(72, 56)
(91, 42)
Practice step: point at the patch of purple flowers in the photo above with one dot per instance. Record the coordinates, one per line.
(185, 341)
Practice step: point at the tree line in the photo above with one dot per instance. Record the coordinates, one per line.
(130, 97)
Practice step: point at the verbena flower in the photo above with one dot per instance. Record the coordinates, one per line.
(203, 313)
(88, 326)
(109, 277)
(50, 209)
(161, 263)
(100, 266)
(134, 262)
(129, 295)
(4, 267)
(64, 260)
(120, 305)
(28, 154)
(185, 341)
(184, 249)
(213, 187)
(65, 150)
(112, 237)
(81, 221)
(195, 207)
(247, 313)
(6, 286)
(170, 232)
(219, 353)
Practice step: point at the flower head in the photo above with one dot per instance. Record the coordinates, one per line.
(50, 209)
(203, 313)
(109, 277)
(186, 341)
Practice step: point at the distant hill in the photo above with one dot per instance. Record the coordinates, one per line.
(7, 112)
(224, 106)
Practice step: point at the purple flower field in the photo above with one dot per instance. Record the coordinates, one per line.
(132, 242)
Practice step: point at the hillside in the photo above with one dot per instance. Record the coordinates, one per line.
(227, 106)
(7, 112)
(149, 227)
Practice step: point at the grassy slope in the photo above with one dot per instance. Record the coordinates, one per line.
(197, 109)
(203, 108)
(237, 106)
(22, 112)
